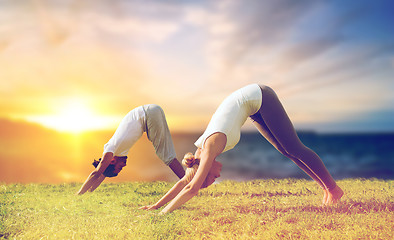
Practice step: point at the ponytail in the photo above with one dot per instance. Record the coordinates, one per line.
(189, 161)
(192, 164)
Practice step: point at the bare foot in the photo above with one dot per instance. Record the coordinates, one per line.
(325, 196)
(333, 196)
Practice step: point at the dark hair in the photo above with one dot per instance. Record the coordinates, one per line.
(109, 171)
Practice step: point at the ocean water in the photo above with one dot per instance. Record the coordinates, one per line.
(30, 153)
(345, 156)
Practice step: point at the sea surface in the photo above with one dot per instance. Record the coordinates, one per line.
(345, 156)
(30, 153)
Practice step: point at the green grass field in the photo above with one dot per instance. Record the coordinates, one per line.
(260, 209)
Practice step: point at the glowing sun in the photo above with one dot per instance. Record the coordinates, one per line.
(73, 115)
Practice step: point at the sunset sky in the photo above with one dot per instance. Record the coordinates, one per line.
(67, 66)
(77, 65)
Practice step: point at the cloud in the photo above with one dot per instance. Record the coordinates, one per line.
(298, 53)
(256, 25)
(120, 53)
(355, 65)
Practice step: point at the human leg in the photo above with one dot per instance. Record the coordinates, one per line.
(281, 129)
(264, 130)
(159, 134)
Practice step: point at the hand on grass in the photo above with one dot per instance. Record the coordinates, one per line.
(149, 207)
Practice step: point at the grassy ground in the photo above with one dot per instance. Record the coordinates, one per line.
(261, 209)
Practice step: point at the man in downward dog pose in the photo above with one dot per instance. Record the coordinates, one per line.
(147, 118)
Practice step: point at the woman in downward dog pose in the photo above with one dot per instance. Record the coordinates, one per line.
(262, 105)
(149, 118)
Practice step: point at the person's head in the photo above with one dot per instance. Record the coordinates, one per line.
(192, 164)
(116, 165)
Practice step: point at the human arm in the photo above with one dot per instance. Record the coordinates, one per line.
(197, 154)
(97, 183)
(95, 177)
(214, 145)
(168, 196)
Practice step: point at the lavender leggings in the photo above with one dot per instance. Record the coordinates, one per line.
(274, 124)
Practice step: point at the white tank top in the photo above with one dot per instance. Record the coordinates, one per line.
(232, 114)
